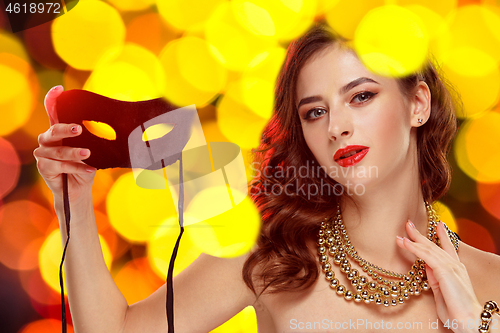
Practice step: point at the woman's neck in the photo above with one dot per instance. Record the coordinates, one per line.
(374, 219)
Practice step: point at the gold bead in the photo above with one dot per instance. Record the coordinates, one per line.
(394, 302)
(354, 282)
(321, 250)
(326, 267)
(340, 290)
(359, 288)
(386, 293)
(334, 283)
(371, 298)
(411, 291)
(348, 295)
(323, 258)
(486, 316)
(372, 285)
(357, 298)
(425, 286)
(350, 276)
(378, 301)
(401, 300)
(329, 275)
(363, 280)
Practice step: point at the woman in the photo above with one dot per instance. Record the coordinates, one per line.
(375, 147)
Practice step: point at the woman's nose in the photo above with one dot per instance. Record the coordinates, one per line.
(339, 126)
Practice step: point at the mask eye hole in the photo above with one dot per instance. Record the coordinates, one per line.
(156, 131)
(99, 129)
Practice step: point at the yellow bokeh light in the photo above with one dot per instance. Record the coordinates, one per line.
(244, 322)
(323, 6)
(135, 212)
(187, 14)
(442, 7)
(198, 66)
(232, 44)
(99, 129)
(282, 20)
(476, 76)
(16, 99)
(438, 30)
(162, 243)
(50, 256)
(179, 90)
(133, 74)
(476, 27)
(259, 80)
(230, 234)
(346, 24)
(236, 121)
(9, 43)
(391, 41)
(132, 5)
(445, 215)
(477, 148)
(87, 32)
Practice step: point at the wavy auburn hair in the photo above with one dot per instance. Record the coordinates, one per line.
(292, 201)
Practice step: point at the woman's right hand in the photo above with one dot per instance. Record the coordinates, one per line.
(53, 159)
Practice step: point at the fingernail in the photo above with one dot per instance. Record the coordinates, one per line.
(58, 87)
(411, 224)
(84, 152)
(75, 129)
(89, 169)
(399, 237)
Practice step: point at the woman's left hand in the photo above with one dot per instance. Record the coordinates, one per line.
(454, 295)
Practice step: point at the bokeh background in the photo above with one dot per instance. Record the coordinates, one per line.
(222, 56)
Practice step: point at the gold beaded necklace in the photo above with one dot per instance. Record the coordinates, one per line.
(381, 290)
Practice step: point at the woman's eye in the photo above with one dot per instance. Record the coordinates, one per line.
(313, 114)
(363, 97)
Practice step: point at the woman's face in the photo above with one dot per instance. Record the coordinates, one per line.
(341, 104)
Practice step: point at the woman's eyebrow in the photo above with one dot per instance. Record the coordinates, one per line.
(357, 82)
(342, 90)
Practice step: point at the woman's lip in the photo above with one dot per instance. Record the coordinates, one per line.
(342, 151)
(352, 160)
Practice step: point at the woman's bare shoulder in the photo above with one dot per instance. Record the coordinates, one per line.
(483, 269)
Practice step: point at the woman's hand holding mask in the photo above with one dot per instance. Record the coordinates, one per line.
(53, 159)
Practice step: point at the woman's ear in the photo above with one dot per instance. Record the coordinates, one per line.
(420, 105)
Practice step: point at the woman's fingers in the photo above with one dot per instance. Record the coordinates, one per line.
(61, 153)
(52, 168)
(57, 132)
(50, 103)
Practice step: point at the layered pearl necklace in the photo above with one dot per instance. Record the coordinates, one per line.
(386, 287)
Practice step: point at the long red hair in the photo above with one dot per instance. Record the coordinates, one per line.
(293, 201)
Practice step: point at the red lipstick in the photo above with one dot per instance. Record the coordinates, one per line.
(350, 155)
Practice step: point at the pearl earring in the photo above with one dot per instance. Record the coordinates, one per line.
(420, 120)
